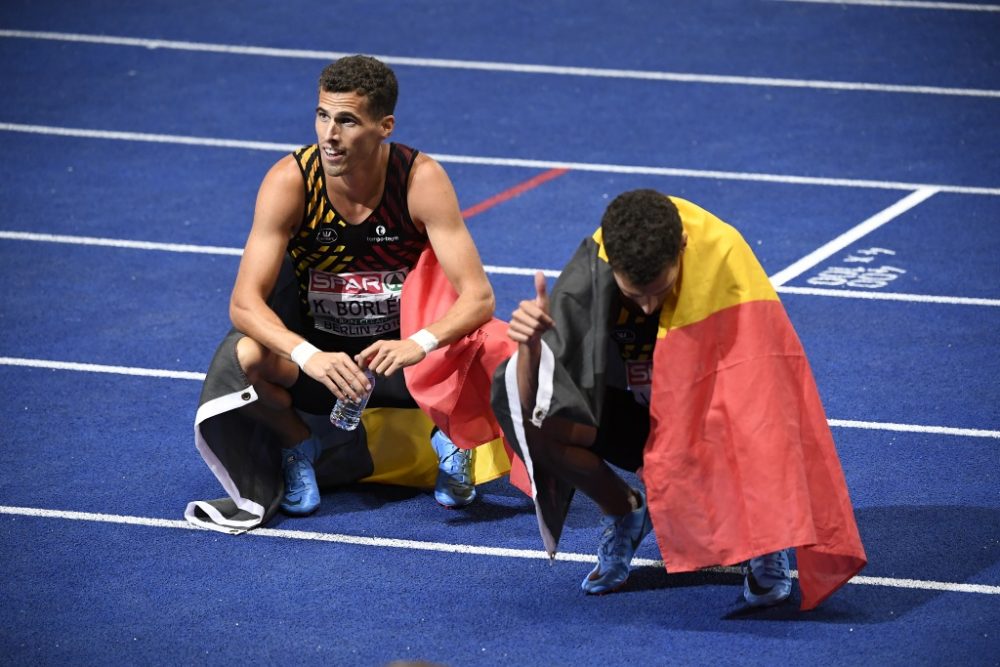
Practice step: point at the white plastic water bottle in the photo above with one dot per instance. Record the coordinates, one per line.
(346, 414)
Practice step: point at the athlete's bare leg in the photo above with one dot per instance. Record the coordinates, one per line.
(270, 375)
(562, 447)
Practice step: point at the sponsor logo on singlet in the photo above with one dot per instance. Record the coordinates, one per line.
(381, 235)
(623, 335)
(358, 304)
(326, 235)
(635, 335)
(640, 380)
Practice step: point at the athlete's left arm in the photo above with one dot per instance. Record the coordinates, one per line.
(434, 206)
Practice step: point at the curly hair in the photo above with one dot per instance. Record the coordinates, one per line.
(642, 234)
(366, 76)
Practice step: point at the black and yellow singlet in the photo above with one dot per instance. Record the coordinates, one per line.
(634, 333)
(350, 276)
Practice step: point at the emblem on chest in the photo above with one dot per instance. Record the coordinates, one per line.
(326, 235)
(380, 234)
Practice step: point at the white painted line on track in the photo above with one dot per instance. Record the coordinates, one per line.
(445, 547)
(490, 66)
(907, 4)
(915, 428)
(149, 138)
(927, 585)
(201, 249)
(490, 268)
(119, 243)
(512, 162)
(784, 179)
(888, 296)
(100, 368)
(518, 271)
(852, 235)
(190, 375)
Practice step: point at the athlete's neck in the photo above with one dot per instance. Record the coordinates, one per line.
(356, 194)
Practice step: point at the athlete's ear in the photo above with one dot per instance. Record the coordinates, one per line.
(387, 124)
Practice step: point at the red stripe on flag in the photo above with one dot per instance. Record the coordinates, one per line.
(741, 461)
(530, 184)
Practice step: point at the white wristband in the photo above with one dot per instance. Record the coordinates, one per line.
(303, 352)
(426, 340)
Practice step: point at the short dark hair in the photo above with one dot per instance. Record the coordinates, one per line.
(366, 76)
(642, 234)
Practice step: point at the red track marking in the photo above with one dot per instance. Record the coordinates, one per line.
(513, 192)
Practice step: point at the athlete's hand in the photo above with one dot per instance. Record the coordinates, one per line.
(532, 319)
(338, 372)
(385, 357)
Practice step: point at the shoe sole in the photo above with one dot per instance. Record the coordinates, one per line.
(455, 507)
(294, 512)
(610, 590)
(451, 507)
(647, 528)
(763, 601)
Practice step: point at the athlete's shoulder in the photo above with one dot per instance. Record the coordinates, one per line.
(428, 164)
(305, 152)
(282, 192)
(285, 172)
(402, 152)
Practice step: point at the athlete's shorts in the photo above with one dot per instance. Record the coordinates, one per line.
(623, 431)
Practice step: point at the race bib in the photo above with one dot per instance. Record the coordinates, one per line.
(640, 380)
(356, 305)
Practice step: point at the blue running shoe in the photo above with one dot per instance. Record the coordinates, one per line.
(620, 538)
(768, 580)
(301, 490)
(454, 487)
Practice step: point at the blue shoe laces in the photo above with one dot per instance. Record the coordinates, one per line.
(458, 464)
(296, 469)
(614, 540)
(768, 570)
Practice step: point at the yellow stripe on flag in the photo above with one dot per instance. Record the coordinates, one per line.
(400, 447)
(718, 270)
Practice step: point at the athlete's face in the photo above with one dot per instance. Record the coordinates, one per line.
(347, 134)
(651, 297)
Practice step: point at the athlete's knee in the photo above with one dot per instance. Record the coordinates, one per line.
(565, 431)
(262, 368)
(261, 364)
(251, 356)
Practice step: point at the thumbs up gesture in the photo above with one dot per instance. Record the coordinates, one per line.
(532, 319)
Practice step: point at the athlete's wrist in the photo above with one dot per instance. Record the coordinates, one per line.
(302, 353)
(427, 341)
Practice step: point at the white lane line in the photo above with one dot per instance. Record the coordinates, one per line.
(147, 137)
(710, 174)
(514, 162)
(200, 249)
(908, 4)
(190, 375)
(519, 271)
(490, 268)
(445, 547)
(100, 368)
(491, 66)
(927, 585)
(852, 235)
(915, 428)
(119, 243)
(888, 296)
